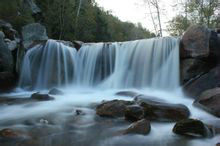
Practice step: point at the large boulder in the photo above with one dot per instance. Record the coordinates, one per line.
(209, 100)
(114, 108)
(160, 111)
(141, 127)
(32, 34)
(200, 42)
(207, 81)
(192, 128)
(195, 42)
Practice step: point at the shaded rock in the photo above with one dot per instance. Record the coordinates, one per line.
(34, 32)
(192, 128)
(214, 46)
(41, 97)
(8, 30)
(55, 91)
(141, 127)
(134, 113)
(127, 93)
(7, 81)
(190, 68)
(164, 111)
(114, 108)
(6, 60)
(209, 100)
(207, 81)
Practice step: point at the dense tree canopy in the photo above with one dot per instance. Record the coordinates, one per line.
(73, 20)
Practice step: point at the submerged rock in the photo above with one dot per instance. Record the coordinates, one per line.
(114, 108)
(55, 91)
(10, 134)
(127, 93)
(167, 112)
(134, 113)
(141, 127)
(209, 100)
(41, 97)
(192, 128)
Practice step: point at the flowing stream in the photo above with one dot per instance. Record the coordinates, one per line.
(93, 74)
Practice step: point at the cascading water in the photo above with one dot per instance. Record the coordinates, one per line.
(152, 63)
(137, 66)
(47, 65)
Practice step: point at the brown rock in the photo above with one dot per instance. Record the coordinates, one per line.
(192, 128)
(41, 97)
(141, 127)
(134, 113)
(160, 111)
(114, 108)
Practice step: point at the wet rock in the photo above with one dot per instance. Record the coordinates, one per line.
(33, 33)
(213, 124)
(141, 127)
(167, 112)
(209, 100)
(78, 44)
(41, 97)
(114, 108)
(195, 42)
(192, 128)
(134, 113)
(127, 93)
(8, 30)
(207, 81)
(79, 112)
(55, 91)
(218, 144)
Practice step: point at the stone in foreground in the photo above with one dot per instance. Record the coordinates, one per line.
(141, 127)
(192, 128)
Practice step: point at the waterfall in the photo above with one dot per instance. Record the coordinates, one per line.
(152, 63)
(46, 65)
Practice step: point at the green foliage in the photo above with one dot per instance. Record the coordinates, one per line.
(93, 24)
(201, 12)
(15, 13)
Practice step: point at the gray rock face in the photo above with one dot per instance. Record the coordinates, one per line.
(195, 42)
(6, 60)
(192, 128)
(141, 127)
(203, 83)
(209, 100)
(33, 33)
(190, 68)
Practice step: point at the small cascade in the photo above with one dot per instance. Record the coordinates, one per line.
(152, 63)
(46, 65)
